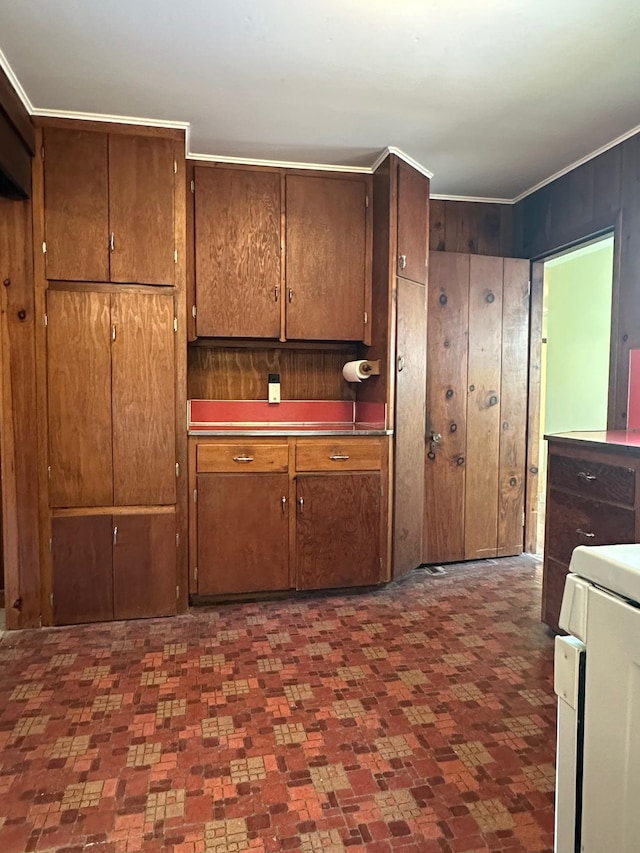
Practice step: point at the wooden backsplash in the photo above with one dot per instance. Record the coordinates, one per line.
(238, 373)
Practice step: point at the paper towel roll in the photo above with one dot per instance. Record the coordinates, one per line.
(353, 372)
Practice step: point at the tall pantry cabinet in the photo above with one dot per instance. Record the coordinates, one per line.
(109, 226)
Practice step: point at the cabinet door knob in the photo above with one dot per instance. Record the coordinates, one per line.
(284, 504)
(400, 363)
(115, 535)
(276, 293)
(337, 457)
(290, 294)
(584, 533)
(402, 262)
(243, 458)
(301, 504)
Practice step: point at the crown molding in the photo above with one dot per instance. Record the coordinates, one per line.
(17, 85)
(473, 198)
(279, 164)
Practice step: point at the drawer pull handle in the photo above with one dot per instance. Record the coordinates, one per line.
(284, 504)
(586, 475)
(584, 533)
(243, 458)
(301, 503)
(338, 457)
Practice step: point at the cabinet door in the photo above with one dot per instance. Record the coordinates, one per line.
(243, 533)
(326, 264)
(144, 565)
(410, 427)
(79, 398)
(144, 448)
(413, 207)
(141, 209)
(338, 542)
(82, 581)
(76, 205)
(237, 226)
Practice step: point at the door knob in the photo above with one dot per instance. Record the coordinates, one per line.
(436, 437)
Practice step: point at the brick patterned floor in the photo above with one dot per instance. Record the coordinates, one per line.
(419, 717)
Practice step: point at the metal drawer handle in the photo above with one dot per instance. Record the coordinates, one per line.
(301, 503)
(337, 457)
(402, 262)
(243, 458)
(584, 533)
(586, 475)
(284, 504)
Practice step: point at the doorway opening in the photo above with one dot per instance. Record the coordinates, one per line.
(575, 348)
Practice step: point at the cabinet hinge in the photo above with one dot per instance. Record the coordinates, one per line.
(50, 545)
(46, 320)
(177, 592)
(175, 324)
(195, 573)
(51, 599)
(523, 519)
(175, 167)
(193, 186)
(366, 318)
(366, 201)
(194, 311)
(175, 256)
(44, 248)
(380, 562)
(195, 496)
(42, 153)
(49, 471)
(113, 332)
(177, 540)
(381, 490)
(529, 288)
(177, 469)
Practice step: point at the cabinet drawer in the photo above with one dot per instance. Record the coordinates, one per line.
(593, 479)
(573, 521)
(339, 455)
(242, 457)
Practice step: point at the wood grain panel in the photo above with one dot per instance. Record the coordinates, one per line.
(338, 530)
(513, 407)
(141, 209)
(144, 566)
(594, 479)
(240, 457)
(237, 233)
(79, 398)
(339, 454)
(82, 569)
(483, 407)
(448, 333)
(243, 533)
(233, 373)
(478, 228)
(533, 483)
(413, 205)
(326, 229)
(76, 198)
(144, 445)
(411, 367)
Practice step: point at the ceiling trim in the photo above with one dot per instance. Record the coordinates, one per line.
(279, 164)
(480, 199)
(17, 85)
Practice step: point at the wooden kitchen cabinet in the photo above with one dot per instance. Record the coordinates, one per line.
(592, 499)
(108, 207)
(111, 398)
(327, 251)
(413, 224)
(107, 567)
(237, 252)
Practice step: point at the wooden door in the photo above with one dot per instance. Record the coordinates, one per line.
(79, 398)
(144, 442)
(483, 407)
(144, 565)
(513, 407)
(338, 541)
(409, 427)
(448, 329)
(243, 533)
(82, 582)
(141, 179)
(326, 268)
(413, 225)
(76, 198)
(237, 227)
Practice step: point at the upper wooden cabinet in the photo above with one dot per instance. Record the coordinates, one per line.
(413, 224)
(108, 207)
(111, 398)
(245, 225)
(237, 254)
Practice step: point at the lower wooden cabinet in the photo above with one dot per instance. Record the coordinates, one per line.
(113, 567)
(275, 514)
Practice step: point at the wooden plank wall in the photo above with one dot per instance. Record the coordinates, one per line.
(18, 448)
(476, 228)
(600, 195)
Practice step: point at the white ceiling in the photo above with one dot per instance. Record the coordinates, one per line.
(492, 96)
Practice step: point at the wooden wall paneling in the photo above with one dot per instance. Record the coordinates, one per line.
(76, 197)
(409, 427)
(513, 407)
(413, 228)
(190, 255)
(144, 565)
(237, 226)
(141, 209)
(193, 516)
(437, 233)
(326, 239)
(483, 407)
(182, 205)
(607, 183)
(240, 373)
(82, 569)
(79, 398)
(448, 337)
(18, 439)
(143, 380)
(480, 228)
(531, 544)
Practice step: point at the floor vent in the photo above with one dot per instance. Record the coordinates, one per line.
(434, 571)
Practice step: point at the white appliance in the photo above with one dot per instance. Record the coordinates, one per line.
(597, 680)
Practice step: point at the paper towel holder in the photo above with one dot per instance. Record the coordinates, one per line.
(371, 368)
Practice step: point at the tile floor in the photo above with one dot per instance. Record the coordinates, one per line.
(419, 717)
